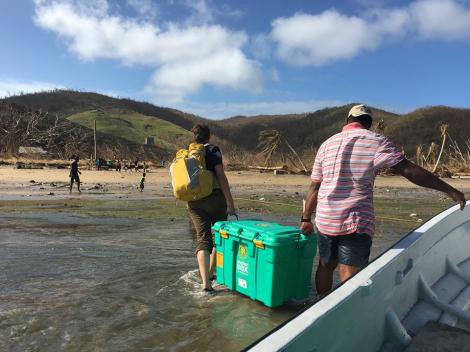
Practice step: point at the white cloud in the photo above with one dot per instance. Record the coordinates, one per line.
(319, 39)
(225, 110)
(184, 57)
(206, 11)
(202, 11)
(441, 19)
(145, 8)
(305, 39)
(227, 11)
(13, 87)
(224, 68)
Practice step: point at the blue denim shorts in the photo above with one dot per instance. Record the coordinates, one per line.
(352, 249)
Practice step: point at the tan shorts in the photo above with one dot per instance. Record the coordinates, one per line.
(204, 213)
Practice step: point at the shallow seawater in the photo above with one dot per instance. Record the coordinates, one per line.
(81, 283)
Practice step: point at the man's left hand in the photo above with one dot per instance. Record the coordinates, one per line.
(458, 197)
(306, 228)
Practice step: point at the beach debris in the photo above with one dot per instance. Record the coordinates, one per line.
(32, 181)
(52, 184)
(51, 193)
(31, 151)
(21, 165)
(236, 167)
(413, 215)
(262, 198)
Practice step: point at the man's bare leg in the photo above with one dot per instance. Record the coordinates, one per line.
(324, 276)
(346, 271)
(78, 185)
(71, 184)
(212, 263)
(204, 261)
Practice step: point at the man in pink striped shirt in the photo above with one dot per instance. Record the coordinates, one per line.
(342, 194)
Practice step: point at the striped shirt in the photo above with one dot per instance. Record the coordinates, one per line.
(346, 165)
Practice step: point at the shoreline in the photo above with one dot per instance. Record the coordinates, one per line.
(19, 183)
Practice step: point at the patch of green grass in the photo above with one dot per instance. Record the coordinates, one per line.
(391, 211)
(134, 127)
(424, 208)
(388, 209)
(282, 205)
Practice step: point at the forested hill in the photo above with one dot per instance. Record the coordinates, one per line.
(303, 131)
(68, 102)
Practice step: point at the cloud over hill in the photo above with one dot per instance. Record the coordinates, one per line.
(185, 56)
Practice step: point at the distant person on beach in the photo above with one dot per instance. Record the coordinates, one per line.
(142, 182)
(74, 172)
(207, 211)
(118, 166)
(341, 193)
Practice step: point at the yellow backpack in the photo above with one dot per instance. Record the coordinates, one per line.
(189, 176)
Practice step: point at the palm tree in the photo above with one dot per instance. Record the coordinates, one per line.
(270, 142)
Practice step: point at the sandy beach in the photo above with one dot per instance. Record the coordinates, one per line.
(19, 182)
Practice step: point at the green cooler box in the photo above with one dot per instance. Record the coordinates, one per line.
(268, 262)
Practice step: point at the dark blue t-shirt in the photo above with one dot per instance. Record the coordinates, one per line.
(74, 168)
(213, 157)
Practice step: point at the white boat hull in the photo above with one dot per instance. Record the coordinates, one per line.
(379, 308)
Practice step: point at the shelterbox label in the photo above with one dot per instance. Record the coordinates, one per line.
(242, 267)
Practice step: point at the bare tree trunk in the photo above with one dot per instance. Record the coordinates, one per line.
(444, 134)
(94, 136)
(295, 153)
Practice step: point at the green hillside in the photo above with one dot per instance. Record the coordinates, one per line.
(422, 127)
(134, 127)
(67, 102)
(133, 121)
(302, 130)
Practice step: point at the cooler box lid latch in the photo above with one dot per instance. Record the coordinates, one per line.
(223, 233)
(259, 244)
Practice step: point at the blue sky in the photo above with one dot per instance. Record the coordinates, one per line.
(223, 58)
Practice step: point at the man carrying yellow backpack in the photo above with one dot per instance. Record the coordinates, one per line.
(198, 177)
